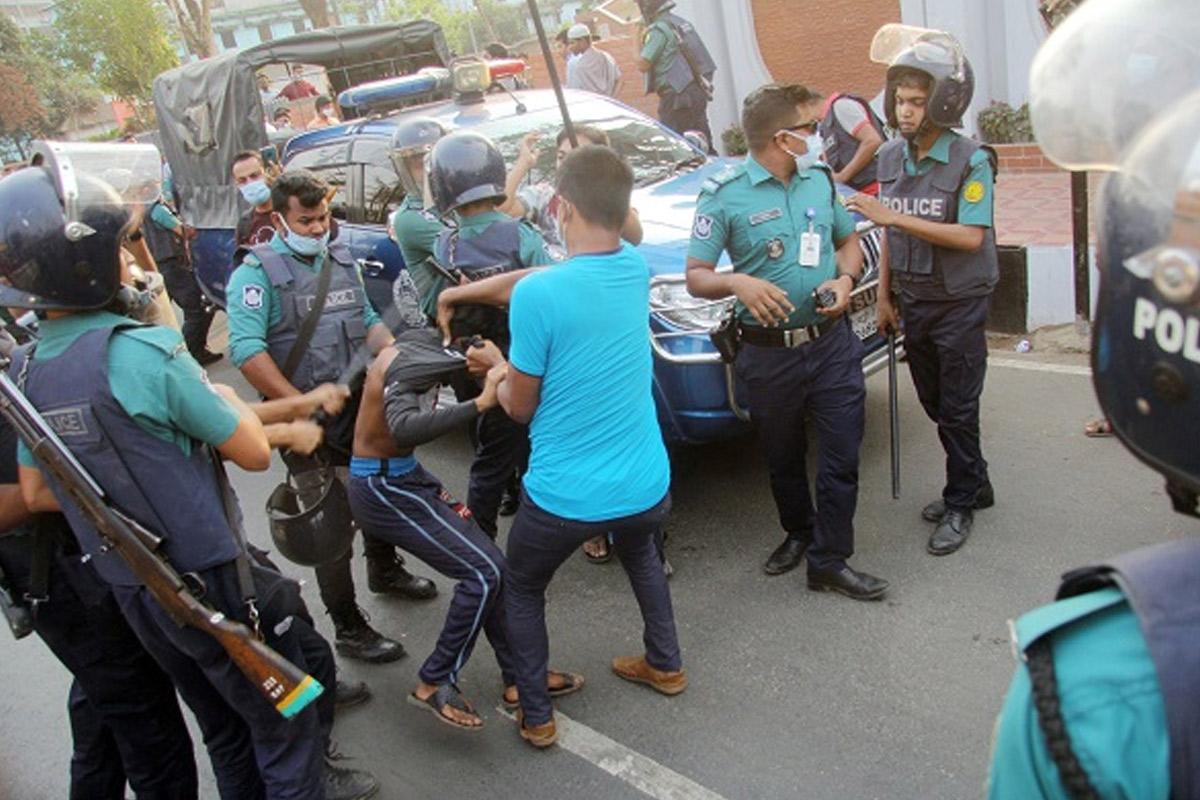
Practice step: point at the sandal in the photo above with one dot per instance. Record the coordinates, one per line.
(597, 550)
(446, 696)
(1098, 428)
(571, 683)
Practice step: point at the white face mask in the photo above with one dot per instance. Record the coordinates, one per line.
(304, 245)
(814, 146)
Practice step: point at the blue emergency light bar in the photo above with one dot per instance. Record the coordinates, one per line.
(426, 82)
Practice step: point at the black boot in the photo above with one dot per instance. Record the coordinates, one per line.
(355, 638)
(350, 693)
(390, 577)
(343, 783)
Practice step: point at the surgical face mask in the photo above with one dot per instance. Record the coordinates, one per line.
(255, 192)
(304, 245)
(814, 147)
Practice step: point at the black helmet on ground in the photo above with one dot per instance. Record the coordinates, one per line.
(414, 137)
(465, 167)
(315, 535)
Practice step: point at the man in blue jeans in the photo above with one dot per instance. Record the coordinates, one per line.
(579, 374)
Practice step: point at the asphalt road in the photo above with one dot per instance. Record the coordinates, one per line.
(793, 693)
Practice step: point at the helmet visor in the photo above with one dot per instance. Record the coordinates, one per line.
(94, 180)
(928, 46)
(1111, 66)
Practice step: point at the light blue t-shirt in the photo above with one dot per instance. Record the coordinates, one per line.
(580, 326)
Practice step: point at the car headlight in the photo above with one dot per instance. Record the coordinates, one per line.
(670, 302)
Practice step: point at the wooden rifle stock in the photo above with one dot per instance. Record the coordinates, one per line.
(279, 681)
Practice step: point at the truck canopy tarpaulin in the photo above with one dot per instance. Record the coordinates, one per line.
(210, 110)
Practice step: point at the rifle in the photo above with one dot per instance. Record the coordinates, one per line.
(279, 681)
(893, 415)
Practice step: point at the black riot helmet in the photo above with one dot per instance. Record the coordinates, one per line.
(652, 8)
(935, 54)
(63, 219)
(316, 535)
(1116, 89)
(414, 137)
(465, 166)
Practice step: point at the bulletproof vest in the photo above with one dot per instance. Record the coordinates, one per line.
(172, 494)
(1162, 585)
(495, 249)
(679, 73)
(840, 145)
(933, 196)
(340, 331)
(162, 243)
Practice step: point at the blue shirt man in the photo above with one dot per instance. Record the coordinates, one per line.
(778, 217)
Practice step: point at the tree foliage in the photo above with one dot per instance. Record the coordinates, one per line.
(194, 18)
(468, 30)
(123, 43)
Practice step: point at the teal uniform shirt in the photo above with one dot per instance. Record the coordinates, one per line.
(164, 217)
(533, 246)
(759, 221)
(1111, 702)
(152, 376)
(659, 48)
(975, 196)
(415, 231)
(253, 313)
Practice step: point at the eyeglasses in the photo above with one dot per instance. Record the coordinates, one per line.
(810, 127)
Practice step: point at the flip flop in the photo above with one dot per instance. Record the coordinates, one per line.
(572, 682)
(447, 695)
(598, 559)
(1098, 429)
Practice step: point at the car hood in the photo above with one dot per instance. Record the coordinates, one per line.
(667, 210)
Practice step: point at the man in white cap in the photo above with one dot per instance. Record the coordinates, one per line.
(589, 68)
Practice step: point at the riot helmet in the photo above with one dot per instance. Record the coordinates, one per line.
(63, 219)
(315, 535)
(936, 54)
(414, 137)
(652, 8)
(464, 167)
(1116, 88)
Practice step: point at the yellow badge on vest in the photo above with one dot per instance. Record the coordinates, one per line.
(973, 192)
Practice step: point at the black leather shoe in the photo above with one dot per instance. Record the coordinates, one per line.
(390, 577)
(510, 501)
(786, 557)
(343, 783)
(206, 357)
(355, 638)
(985, 498)
(855, 585)
(350, 693)
(951, 532)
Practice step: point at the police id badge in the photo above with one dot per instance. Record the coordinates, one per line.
(810, 249)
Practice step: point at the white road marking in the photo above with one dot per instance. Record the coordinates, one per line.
(1040, 366)
(641, 772)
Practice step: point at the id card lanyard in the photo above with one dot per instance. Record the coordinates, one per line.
(810, 242)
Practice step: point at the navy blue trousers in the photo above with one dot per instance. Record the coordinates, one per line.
(255, 752)
(501, 449)
(538, 544)
(125, 719)
(946, 342)
(824, 379)
(412, 512)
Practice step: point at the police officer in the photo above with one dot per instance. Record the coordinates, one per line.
(1116, 660)
(466, 179)
(270, 299)
(852, 134)
(778, 216)
(678, 67)
(413, 227)
(138, 413)
(940, 254)
(125, 719)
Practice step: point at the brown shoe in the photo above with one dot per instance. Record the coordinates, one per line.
(635, 668)
(540, 736)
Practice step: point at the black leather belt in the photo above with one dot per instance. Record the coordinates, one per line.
(788, 337)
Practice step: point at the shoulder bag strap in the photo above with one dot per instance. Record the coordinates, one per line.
(309, 326)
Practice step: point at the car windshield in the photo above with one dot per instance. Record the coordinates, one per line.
(653, 152)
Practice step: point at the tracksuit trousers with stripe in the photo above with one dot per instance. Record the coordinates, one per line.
(410, 510)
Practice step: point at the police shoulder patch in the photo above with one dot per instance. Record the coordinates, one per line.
(702, 228)
(973, 192)
(252, 296)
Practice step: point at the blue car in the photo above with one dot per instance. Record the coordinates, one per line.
(696, 394)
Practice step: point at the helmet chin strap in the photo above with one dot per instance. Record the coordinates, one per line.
(922, 129)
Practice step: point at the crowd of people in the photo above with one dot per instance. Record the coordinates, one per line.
(522, 299)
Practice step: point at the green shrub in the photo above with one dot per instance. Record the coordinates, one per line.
(734, 141)
(1000, 123)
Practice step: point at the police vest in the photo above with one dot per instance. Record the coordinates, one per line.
(162, 243)
(679, 73)
(934, 196)
(494, 250)
(1162, 585)
(175, 496)
(840, 144)
(340, 330)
